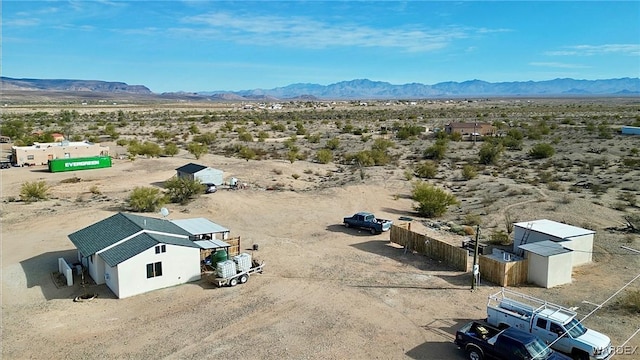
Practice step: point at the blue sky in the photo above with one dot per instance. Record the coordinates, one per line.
(237, 45)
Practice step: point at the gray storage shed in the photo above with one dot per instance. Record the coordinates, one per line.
(204, 174)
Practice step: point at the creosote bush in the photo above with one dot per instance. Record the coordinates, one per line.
(182, 190)
(432, 201)
(146, 199)
(34, 191)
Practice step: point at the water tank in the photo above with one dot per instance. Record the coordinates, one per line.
(218, 256)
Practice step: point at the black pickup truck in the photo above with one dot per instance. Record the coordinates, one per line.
(483, 341)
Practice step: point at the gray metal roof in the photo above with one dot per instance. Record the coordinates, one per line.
(199, 226)
(553, 228)
(117, 227)
(212, 244)
(545, 248)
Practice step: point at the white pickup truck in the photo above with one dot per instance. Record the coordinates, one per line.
(553, 324)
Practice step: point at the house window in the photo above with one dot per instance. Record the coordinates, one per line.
(29, 157)
(154, 269)
(161, 249)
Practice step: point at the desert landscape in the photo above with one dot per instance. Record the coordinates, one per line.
(327, 292)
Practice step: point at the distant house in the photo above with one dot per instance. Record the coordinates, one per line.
(41, 153)
(134, 254)
(204, 174)
(480, 129)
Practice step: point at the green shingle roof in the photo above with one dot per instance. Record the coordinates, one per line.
(128, 249)
(118, 227)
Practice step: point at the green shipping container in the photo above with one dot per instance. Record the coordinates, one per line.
(84, 163)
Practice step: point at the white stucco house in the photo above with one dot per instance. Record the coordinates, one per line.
(204, 174)
(574, 238)
(134, 254)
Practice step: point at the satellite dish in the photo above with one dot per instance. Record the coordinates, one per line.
(165, 212)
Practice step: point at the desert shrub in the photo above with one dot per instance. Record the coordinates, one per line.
(436, 151)
(182, 190)
(95, 190)
(469, 172)
(171, 149)
(630, 301)
(277, 171)
(432, 201)
(34, 191)
(146, 199)
(324, 156)
(147, 148)
(490, 153)
(332, 144)
(499, 237)
(245, 137)
(295, 176)
(455, 136)
(247, 153)
(629, 197)
(207, 138)
(542, 151)
(197, 149)
(468, 230)
(71, 180)
(427, 170)
(472, 219)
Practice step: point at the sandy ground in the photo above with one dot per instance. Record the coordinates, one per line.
(327, 292)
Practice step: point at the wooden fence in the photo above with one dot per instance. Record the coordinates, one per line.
(503, 273)
(456, 257)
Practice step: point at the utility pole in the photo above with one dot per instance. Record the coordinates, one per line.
(476, 268)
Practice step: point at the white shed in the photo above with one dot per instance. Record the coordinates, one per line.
(569, 237)
(549, 263)
(204, 174)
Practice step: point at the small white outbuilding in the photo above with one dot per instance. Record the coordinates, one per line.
(204, 174)
(549, 264)
(567, 236)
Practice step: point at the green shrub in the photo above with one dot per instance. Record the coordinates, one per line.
(432, 201)
(182, 190)
(542, 151)
(171, 149)
(34, 191)
(324, 156)
(146, 199)
(469, 172)
(197, 149)
(427, 170)
(490, 153)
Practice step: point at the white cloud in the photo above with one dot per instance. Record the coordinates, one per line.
(302, 32)
(590, 50)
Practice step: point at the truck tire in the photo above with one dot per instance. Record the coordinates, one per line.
(346, 225)
(233, 282)
(577, 354)
(373, 231)
(243, 279)
(473, 353)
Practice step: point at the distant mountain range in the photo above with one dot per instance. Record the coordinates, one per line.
(354, 89)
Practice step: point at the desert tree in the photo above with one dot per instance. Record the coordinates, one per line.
(171, 149)
(182, 190)
(197, 149)
(146, 199)
(490, 152)
(431, 200)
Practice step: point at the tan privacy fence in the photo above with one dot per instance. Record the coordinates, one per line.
(456, 257)
(503, 273)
